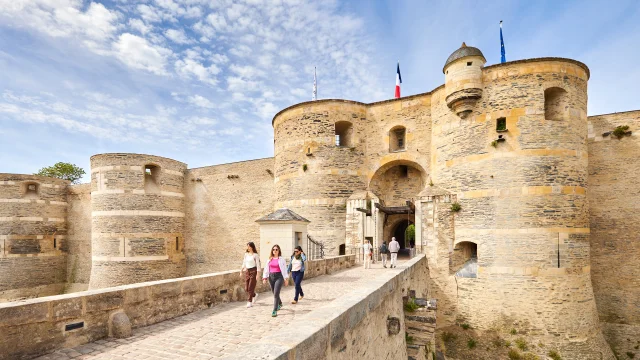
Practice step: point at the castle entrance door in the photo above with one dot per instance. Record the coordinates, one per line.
(397, 184)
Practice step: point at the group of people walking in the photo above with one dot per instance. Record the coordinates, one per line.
(392, 249)
(276, 272)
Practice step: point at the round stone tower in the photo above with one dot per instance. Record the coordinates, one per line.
(33, 226)
(319, 149)
(510, 142)
(463, 79)
(137, 215)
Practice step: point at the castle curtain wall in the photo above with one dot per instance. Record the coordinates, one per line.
(222, 204)
(78, 242)
(33, 228)
(614, 200)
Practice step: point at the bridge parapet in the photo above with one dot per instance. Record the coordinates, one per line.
(364, 323)
(73, 319)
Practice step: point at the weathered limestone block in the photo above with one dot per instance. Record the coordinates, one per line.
(119, 325)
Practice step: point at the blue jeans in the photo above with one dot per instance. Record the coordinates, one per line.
(297, 280)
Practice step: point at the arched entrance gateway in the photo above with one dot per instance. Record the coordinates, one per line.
(397, 185)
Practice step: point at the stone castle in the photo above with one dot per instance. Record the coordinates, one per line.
(525, 207)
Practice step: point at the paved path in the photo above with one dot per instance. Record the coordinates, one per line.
(217, 332)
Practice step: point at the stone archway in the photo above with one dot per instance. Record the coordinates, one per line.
(397, 184)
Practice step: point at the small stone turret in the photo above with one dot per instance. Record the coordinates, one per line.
(463, 79)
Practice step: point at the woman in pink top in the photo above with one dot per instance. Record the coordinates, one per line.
(276, 273)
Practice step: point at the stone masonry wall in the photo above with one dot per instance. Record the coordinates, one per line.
(305, 137)
(137, 219)
(524, 205)
(222, 204)
(144, 303)
(78, 243)
(33, 231)
(614, 196)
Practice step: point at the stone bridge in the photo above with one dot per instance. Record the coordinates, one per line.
(348, 313)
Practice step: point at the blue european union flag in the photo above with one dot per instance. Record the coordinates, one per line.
(503, 58)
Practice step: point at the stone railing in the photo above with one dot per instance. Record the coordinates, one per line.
(37, 326)
(367, 323)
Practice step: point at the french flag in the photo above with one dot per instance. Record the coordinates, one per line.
(398, 81)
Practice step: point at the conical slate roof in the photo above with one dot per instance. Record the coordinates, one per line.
(463, 51)
(283, 214)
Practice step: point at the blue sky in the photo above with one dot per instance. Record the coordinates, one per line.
(199, 81)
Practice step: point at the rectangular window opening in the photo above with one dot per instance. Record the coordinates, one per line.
(337, 140)
(55, 243)
(501, 124)
(74, 326)
(223, 291)
(177, 243)
(469, 63)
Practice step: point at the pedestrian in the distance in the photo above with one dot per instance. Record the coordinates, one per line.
(276, 272)
(296, 268)
(251, 270)
(366, 248)
(383, 253)
(394, 247)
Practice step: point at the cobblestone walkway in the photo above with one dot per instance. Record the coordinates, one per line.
(216, 333)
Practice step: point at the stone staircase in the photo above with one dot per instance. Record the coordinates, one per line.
(420, 328)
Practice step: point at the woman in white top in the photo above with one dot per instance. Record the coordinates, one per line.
(250, 268)
(276, 272)
(296, 268)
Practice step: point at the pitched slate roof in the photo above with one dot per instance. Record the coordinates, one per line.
(283, 214)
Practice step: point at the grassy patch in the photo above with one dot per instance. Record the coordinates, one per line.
(465, 326)
(513, 331)
(619, 132)
(455, 207)
(514, 355)
(471, 343)
(522, 344)
(448, 337)
(554, 355)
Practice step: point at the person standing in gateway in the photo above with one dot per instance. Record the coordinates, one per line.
(383, 253)
(366, 248)
(394, 247)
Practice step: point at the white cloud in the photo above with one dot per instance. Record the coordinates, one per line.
(188, 68)
(201, 101)
(241, 51)
(138, 53)
(177, 36)
(140, 26)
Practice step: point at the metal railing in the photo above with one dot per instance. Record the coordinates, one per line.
(315, 249)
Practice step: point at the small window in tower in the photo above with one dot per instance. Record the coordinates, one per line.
(501, 124)
(177, 243)
(151, 178)
(344, 134)
(397, 141)
(55, 243)
(404, 171)
(469, 63)
(31, 190)
(556, 103)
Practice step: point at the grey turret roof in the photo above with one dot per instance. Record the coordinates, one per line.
(463, 51)
(283, 214)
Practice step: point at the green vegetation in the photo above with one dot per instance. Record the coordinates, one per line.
(63, 171)
(408, 338)
(304, 167)
(501, 124)
(522, 344)
(410, 234)
(471, 343)
(514, 331)
(514, 354)
(465, 326)
(554, 355)
(494, 143)
(455, 207)
(410, 306)
(530, 356)
(620, 131)
(498, 342)
(448, 337)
